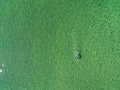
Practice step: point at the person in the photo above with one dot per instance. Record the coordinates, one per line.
(78, 55)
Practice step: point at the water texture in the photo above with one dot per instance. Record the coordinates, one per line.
(39, 40)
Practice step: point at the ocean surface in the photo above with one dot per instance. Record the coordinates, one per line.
(39, 40)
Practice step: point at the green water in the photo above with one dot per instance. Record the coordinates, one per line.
(39, 38)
